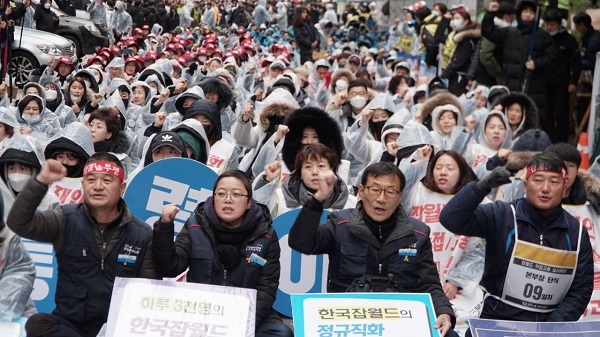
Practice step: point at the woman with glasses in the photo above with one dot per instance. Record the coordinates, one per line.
(228, 241)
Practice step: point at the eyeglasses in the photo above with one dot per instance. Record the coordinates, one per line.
(375, 192)
(235, 196)
(355, 93)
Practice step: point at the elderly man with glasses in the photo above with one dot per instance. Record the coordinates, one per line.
(376, 238)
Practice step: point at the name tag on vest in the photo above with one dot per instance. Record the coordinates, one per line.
(407, 252)
(124, 258)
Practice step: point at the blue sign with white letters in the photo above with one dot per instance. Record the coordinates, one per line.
(179, 181)
(299, 273)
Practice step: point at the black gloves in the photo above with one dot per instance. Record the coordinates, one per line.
(499, 176)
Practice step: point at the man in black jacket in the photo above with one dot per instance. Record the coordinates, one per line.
(523, 72)
(590, 40)
(562, 78)
(45, 19)
(380, 236)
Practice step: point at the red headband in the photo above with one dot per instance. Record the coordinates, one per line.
(104, 167)
(533, 169)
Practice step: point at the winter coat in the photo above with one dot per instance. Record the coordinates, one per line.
(459, 47)
(355, 252)
(514, 43)
(567, 66)
(495, 222)
(196, 243)
(45, 19)
(590, 41)
(305, 34)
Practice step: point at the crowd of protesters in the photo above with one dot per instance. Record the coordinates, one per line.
(294, 102)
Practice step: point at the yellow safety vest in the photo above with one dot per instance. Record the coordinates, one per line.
(449, 49)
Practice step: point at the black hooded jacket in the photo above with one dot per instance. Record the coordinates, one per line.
(515, 44)
(327, 130)
(211, 111)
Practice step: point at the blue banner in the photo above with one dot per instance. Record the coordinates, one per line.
(493, 328)
(299, 273)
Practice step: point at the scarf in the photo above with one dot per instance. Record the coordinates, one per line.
(296, 194)
(230, 242)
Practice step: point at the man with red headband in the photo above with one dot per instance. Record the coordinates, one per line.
(94, 242)
(539, 264)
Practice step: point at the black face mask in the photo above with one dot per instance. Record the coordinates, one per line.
(125, 102)
(274, 122)
(376, 128)
(74, 171)
(207, 129)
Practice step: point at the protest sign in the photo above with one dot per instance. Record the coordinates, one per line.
(179, 181)
(493, 328)
(363, 314)
(164, 308)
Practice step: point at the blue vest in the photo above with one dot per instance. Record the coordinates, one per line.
(86, 272)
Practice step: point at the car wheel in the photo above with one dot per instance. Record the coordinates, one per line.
(26, 64)
(76, 44)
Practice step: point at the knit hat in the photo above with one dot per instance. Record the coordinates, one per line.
(532, 140)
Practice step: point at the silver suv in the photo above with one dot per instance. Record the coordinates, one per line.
(34, 49)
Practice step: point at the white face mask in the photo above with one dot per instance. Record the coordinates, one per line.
(18, 180)
(340, 85)
(88, 85)
(514, 23)
(358, 102)
(75, 99)
(97, 77)
(153, 91)
(456, 24)
(32, 119)
(47, 5)
(553, 33)
(51, 95)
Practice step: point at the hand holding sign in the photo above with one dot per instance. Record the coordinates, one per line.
(169, 212)
(52, 171)
(443, 323)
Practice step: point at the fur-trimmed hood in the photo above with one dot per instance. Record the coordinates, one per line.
(469, 32)
(216, 85)
(280, 103)
(326, 127)
(119, 144)
(336, 76)
(435, 101)
(530, 111)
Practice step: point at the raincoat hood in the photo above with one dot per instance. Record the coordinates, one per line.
(481, 137)
(382, 101)
(414, 135)
(194, 92)
(394, 124)
(194, 128)
(437, 112)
